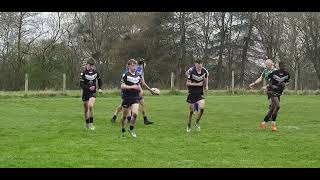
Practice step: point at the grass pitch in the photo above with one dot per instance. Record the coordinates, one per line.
(50, 132)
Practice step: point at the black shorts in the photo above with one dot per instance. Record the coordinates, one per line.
(87, 95)
(193, 98)
(126, 103)
(273, 94)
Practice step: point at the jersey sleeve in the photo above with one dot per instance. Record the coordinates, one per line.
(99, 80)
(189, 74)
(263, 74)
(288, 79)
(270, 76)
(207, 72)
(142, 75)
(188, 71)
(123, 78)
(82, 84)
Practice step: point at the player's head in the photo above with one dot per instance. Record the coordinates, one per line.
(198, 63)
(132, 65)
(142, 63)
(90, 64)
(282, 65)
(269, 63)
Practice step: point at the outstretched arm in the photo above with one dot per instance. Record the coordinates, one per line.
(259, 80)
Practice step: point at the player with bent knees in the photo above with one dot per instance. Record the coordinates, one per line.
(197, 80)
(130, 85)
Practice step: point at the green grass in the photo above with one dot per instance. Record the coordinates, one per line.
(50, 132)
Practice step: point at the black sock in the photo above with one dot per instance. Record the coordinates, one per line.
(274, 117)
(197, 120)
(123, 130)
(131, 127)
(91, 120)
(145, 118)
(87, 121)
(114, 117)
(189, 125)
(267, 117)
(129, 118)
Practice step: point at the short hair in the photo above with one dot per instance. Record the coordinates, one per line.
(199, 61)
(269, 61)
(132, 61)
(91, 61)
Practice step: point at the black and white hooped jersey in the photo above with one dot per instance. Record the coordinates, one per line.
(195, 77)
(88, 79)
(130, 80)
(276, 78)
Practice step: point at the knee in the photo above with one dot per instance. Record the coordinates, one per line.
(191, 112)
(86, 109)
(134, 115)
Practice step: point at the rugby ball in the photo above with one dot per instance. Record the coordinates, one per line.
(156, 91)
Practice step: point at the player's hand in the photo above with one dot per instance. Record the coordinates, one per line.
(283, 84)
(200, 83)
(92, 88)
(136, 87)
(152, 92)
(264, 88)
(141, 93)
(206, 88)
(100, 91)
(251, 85)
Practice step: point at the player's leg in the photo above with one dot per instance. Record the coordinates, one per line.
(129, 114)
(116, 113)
(276, 107)
(134, 111)
(86, 114)
(191, 108)
(125, 111)
(91, 103)
(190, 100)
(196, 107)
(268, 114)
(143, 111)
(201, 104)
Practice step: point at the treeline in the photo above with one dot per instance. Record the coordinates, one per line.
(46, 45)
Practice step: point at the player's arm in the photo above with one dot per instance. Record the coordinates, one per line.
(127, 87)
(82, 84)
(270, 82)
(259, 80)
(146, 85)
(207, 81)
(286, 81)
(189, 83)
(99, 82)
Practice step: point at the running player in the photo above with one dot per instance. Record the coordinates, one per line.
(197, 80)
(88, 80)
(278, 79)
(130, 84)
(139, 71)
(269, 69)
